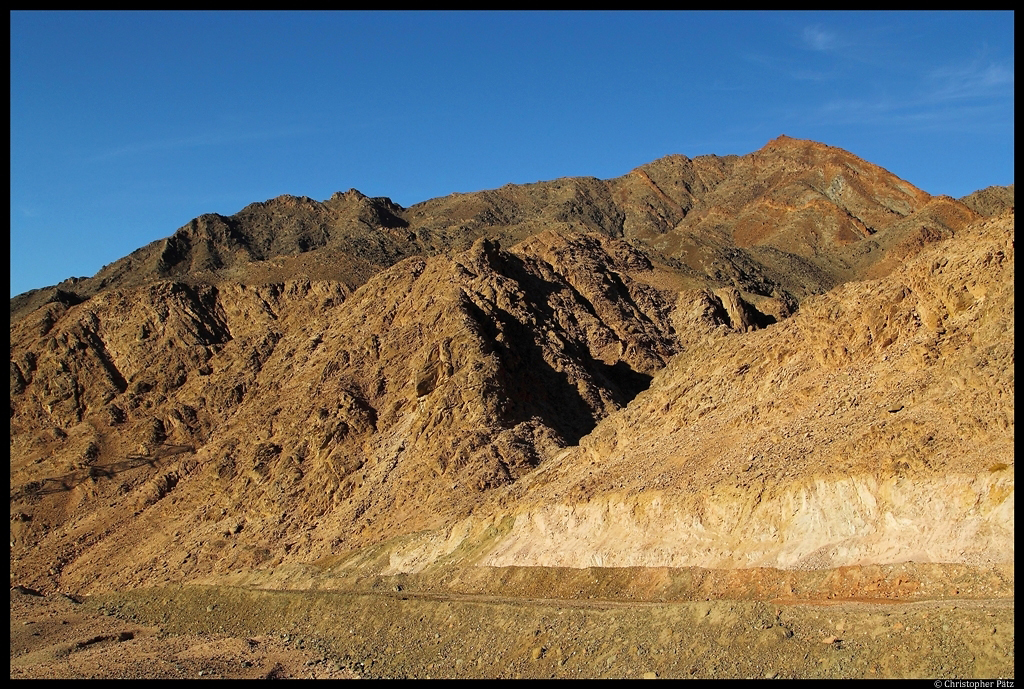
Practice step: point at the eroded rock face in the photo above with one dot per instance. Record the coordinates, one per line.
(320, 417)
(875, 426)
(990, 201)
(303, 379)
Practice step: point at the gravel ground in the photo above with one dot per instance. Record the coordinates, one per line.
(226, 632)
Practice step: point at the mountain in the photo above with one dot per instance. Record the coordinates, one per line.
(789, 359)
(795, 211)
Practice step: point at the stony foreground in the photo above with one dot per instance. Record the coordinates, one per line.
(384, 629)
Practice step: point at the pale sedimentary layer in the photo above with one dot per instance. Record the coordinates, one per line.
(825, 523)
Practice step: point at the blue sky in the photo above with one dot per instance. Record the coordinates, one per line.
(125, 126)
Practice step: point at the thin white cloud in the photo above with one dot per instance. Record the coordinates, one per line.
(802, 70)
(974, 80)
(817, 38)
(198, 141)
(917, 113)
(969, 95)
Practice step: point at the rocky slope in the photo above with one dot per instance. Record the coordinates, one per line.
(789, 359)
(875, 426)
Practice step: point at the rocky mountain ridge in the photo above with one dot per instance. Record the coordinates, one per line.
(728, 219)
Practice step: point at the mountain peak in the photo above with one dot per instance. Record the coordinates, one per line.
(350, 194)
(790, 141)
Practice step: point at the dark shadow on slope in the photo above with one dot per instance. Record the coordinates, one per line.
(66, 298)
(59, 484)
(532, 386)
(626, 382)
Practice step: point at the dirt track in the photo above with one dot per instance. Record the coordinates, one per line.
(233, 632)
